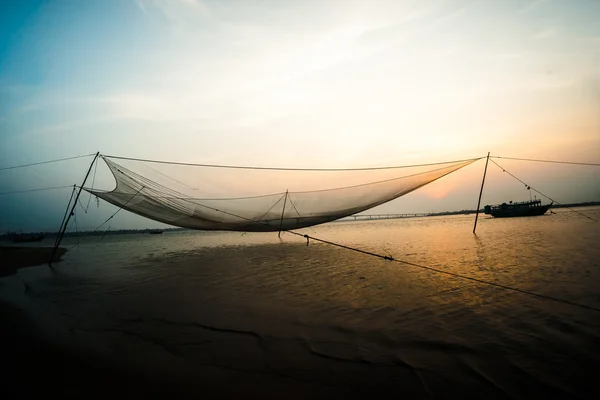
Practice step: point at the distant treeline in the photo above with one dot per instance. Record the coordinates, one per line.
(9, 235)
(586, 204)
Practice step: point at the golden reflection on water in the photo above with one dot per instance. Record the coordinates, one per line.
(268, 274)
(310, 310)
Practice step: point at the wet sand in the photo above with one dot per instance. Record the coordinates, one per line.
(14, 257)
(35, 367)
(189, 315)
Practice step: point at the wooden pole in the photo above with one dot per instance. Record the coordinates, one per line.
(66, 212)
(282, 212)
(66, 223)
(481, 191)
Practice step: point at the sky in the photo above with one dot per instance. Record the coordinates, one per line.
(299, 84)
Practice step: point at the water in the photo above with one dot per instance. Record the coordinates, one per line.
(323, 321)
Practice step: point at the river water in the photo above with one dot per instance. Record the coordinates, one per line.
(251, 315)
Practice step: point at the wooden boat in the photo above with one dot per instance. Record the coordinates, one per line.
(27, 237)
(521, 209)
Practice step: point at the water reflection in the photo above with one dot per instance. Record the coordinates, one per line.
(309, 310)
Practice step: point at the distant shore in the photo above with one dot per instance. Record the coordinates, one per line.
(7, 236)
(587, 204)
(16, 257)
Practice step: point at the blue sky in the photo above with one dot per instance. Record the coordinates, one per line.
(298, 83)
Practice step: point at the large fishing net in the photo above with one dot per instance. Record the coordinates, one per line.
(251, 199)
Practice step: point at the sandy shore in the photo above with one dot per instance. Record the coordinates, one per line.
(15, 257)
(35, 367)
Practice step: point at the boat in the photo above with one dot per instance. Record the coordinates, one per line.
(27, 237)
(518, 209)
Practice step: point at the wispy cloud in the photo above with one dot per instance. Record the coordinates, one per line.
(321, 67)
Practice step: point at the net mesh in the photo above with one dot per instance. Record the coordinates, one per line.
(258, 200)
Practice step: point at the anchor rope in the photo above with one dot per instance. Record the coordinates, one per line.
(529, 187)
(548, 161)
(470, 278)
(46, 162)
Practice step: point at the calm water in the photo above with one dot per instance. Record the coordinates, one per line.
(271, 315)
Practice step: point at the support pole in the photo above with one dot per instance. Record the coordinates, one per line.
(71, 213)
(481, 191)
(282, 212)
(66, 212)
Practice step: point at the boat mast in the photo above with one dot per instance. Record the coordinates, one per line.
(63, 227)
(481, 191)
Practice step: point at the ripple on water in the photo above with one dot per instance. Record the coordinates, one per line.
(323, 314)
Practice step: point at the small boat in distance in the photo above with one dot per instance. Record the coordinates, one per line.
(522, 209)
(27, 237)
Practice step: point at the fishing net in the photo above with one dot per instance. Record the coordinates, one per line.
(253, 199)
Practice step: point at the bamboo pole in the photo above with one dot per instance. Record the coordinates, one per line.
(481, 191)
(282, 212)
(66, 223)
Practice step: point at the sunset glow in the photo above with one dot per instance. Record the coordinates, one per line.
(303, 84)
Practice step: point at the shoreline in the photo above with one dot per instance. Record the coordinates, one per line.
(38, 366)
(17, 257)
(60, 370)
(188, 317)
(6, 237)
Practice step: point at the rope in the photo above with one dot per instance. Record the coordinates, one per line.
(108, 219)
(46, 162)
(93, 182)
(546, 196)
(150, 183)
(480, 281)
(81, 205)
(342, 246)
(282, 213)
(286, 169)
(548, 161)
(171, 178)
(75, 220)
(120, 208)
(297, 212)
(105, 232)
(36, 190)
(388, 257)
(270, 208)
(65, 216)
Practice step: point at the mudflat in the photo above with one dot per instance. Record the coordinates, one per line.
(14, 257)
